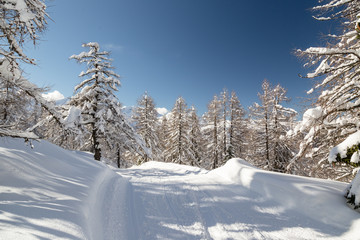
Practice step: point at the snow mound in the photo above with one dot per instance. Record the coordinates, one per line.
(176, 168)
(47, 192)
(319, 199)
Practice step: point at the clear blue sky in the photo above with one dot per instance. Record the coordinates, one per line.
(188, 48)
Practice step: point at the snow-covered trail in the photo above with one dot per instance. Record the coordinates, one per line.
(50, 193)
(180, 202)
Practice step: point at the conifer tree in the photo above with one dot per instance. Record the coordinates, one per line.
(283, 119)
(335, 114)
(272, 121)
(237, 128)
(146, 125)
(178, 148)
(163, 134)
(21, 21)
(211, 132)
(261, 115)
(196, 139)
(223, 133)
(98, 108)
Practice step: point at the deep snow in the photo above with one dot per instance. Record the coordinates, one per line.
(50, 193)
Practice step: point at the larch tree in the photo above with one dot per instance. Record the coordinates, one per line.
(283, 121)
(261, 115)
(196, 139)
(336, 112)
(224, 99)
(178, 149)
(21, 21)
(273, 121)
(146, 125)
(237, 128)
(211, 132)
(163, 134)
(98, 107)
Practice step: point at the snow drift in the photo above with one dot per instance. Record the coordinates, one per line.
(322, 200)
(47, 192)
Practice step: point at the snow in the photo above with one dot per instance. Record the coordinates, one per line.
(50, 193)
(354, 189)
(351, 140)
(309, 118)
(53, 96)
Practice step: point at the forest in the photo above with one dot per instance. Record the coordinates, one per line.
(268, 134)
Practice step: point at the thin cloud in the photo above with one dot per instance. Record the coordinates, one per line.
(113, 47)
(53, 96)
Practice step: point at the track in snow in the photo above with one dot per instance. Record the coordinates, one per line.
(180, 202)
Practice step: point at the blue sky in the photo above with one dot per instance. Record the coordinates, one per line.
(188, 48)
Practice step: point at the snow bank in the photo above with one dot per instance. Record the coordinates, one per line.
(315, 198)
(176, 168)
(47, 192)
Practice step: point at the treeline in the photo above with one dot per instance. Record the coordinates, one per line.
(266, 134)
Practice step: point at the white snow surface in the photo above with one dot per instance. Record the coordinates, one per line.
(50, 193)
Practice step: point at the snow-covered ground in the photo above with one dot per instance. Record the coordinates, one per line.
(50, 193)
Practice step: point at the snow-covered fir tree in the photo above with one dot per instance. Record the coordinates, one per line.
(98, 107)
(336, 112)
(178, 149)
(146, 125)
(211, 132)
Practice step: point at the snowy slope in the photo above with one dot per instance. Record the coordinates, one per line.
(50, 193)
(237, 201)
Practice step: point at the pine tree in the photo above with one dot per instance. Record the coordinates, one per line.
(146, 125)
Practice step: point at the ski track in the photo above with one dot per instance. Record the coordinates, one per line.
(177, 204)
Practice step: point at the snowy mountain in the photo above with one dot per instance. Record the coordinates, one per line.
(50, 193)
